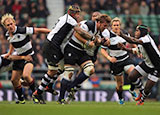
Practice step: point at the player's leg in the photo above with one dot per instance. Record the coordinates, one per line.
(139, 71)
(52, 56)
(44, 82)
(152, 80)
(134, 77)
(119, 88)
(128, 69)
(88, 70)
(15, 79)
(27, 71)
(65, 82)
(49, 88)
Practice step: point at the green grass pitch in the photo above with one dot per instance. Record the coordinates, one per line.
(79, 108)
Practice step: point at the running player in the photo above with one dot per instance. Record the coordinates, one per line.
(150, 67)
(19, 40)
(119, 59)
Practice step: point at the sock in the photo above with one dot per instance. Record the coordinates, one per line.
(132, 87)
(138, 84)
(50, 85)
(19, 93)
(144, 95)
(32, 85)
(64, 84)
(119, 92)
(45, 81)
(81, 77)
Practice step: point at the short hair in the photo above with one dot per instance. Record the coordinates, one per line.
(6, 16)
(115, 20)
(104, 18)
(96, 14)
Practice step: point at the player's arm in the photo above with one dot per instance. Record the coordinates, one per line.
(83, 33)
(107, 56)
(41, 30)
(84, 41)
(123, 47)
(11, 49)
(133, 50)
(15, 57)
(131, 39)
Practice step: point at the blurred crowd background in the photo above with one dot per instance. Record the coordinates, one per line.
(35, 13)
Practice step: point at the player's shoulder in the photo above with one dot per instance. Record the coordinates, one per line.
(91, 25)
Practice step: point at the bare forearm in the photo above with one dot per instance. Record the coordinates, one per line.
(131, 39)
(42, 30)
(128, 49)
(80, 38)
(14, 57)
(83, 33)
(11, 49)
(105, 54)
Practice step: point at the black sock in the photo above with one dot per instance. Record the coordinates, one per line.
(132, 87)
(32, 86)
(19, 93)
(39, 91)
(119, 92)
(81, 77)
(50, 86)
(64, 84)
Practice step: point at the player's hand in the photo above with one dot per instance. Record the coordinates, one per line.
(28, 58)
(7, 55)
(105, 41)
(113, 60)
(140, 55)
(97, 40)
(91, 44)
(121, 46)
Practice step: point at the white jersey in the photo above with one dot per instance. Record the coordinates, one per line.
(90, 27)
(114, 51)
(21, 41)
(62, 30)
(149, 51)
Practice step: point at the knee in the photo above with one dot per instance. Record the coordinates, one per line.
(120, 87)
(25, 76)
(88, 69)
(15, 82)
(68, 73)
(51, 73)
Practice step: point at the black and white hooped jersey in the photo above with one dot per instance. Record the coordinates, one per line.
(62, 30)
(149, 51)
(21, 41)
(90, 27)
(113, 49)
